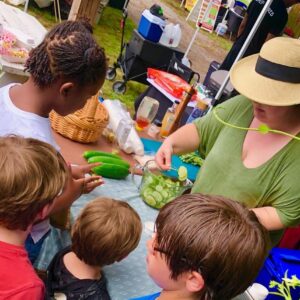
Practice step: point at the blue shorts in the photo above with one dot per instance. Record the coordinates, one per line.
(34, 249)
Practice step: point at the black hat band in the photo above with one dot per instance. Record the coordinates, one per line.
(276, 71)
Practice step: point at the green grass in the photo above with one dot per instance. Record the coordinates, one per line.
(108, 35)
(175, 5)
(294, 21)
(221, 42)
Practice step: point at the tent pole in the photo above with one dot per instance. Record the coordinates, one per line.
(191, 43)
(198, 25)
(245, 46)
(126, 4)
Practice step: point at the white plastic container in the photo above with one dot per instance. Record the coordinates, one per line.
(16, 2)
(221, 29)
(43, 3)
(116, 111)
(171, 35)
(123, 131)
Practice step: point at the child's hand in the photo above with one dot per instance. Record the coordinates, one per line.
(74, 188)
(79, 171)
(79, 183)
(89, 183)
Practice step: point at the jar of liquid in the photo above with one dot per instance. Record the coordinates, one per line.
(146, 112)
(154, 129)
(168, 120)
(123, 131)
(198, 111)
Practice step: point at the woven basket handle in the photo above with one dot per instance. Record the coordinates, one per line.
(91, 107)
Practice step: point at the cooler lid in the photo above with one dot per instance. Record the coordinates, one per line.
(153, 19)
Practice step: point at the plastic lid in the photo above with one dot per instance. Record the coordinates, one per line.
(153, 19)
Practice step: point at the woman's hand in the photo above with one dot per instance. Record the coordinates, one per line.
(164, 155)
(184, 140)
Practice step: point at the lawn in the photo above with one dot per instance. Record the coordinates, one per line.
(108, 35)
(180, 11)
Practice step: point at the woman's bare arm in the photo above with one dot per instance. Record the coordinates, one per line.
(268, 217)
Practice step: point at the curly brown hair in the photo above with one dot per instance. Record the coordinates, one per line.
(68, 51)
(32, 174)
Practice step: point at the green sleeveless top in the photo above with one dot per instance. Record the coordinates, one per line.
(275, 183)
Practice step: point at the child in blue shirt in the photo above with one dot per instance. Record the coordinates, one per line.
(205, 247)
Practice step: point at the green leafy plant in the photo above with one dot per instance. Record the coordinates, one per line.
(192, 158)
(262, 128)
(284, 287)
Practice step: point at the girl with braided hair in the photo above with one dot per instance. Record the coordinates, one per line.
(66, 69)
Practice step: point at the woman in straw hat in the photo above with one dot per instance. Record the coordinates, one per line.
(257, 166)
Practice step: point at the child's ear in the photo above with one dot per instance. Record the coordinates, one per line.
(66, 88)
(44, 212)
(194, 282)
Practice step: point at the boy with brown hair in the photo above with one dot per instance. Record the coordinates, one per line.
(32, 175)
(205, 248)
(105, 232)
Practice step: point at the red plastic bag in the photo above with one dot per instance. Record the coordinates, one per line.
(171, 83)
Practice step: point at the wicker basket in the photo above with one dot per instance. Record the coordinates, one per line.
(85, 125)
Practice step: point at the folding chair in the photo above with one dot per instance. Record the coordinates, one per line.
(178, 68)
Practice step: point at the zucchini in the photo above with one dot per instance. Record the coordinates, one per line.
(91, 153)
(109, 160)
(111, 171)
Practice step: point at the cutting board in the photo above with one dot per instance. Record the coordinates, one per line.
(151, 148)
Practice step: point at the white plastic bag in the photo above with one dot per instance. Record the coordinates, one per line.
(16, 2)
(116, 113)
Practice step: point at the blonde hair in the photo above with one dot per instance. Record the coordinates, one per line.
(32, 175)
(106, 231)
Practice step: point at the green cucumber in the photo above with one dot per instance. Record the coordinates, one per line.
(109, 160)
(157, 196)
(111, 171)
(150, 200)
(91, 153)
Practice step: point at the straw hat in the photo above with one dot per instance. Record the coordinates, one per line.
(271, 77)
